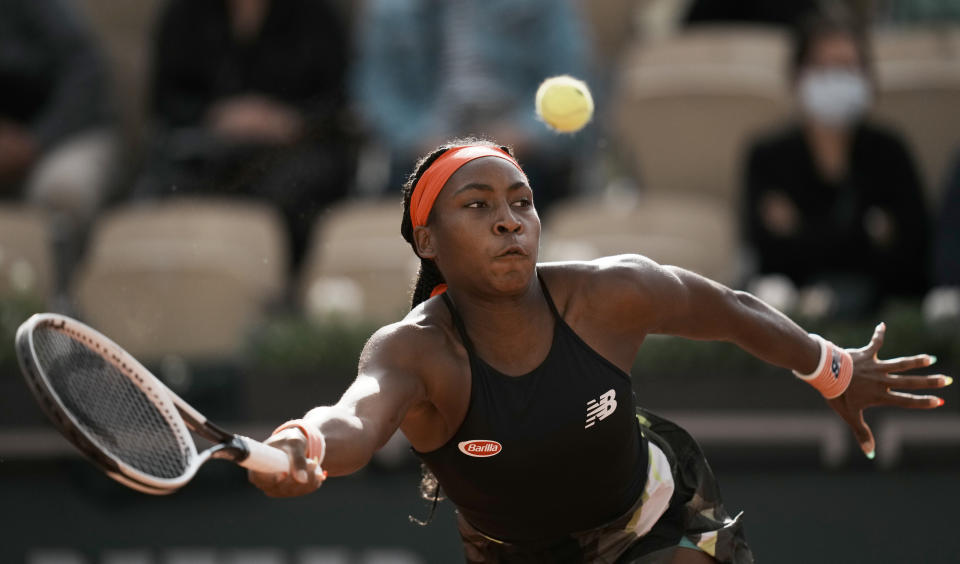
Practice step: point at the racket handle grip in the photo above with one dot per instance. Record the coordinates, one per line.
(263, 458)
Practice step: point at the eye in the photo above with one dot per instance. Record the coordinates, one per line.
(476, 204)
(522, 203)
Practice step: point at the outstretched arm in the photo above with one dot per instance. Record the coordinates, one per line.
(678, 302)
(343, 437)
(706, 310)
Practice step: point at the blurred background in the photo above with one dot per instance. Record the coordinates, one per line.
(215, 184)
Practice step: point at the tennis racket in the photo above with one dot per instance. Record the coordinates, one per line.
(119, 414)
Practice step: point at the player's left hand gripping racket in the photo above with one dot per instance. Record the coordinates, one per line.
(119, 414)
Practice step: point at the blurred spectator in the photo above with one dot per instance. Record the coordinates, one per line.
(431, 70)
(57, 137)
(834, 203)
(943, 301)
(247, 99)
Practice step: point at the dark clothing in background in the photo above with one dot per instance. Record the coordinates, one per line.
(947, 257)
(832, 244)
(781, 12)
(53, 80)
(299, 58)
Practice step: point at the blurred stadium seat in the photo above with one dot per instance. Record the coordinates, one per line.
(729, 44)
(26, 253)
(184, 277)
(683, 230)
(919, 43)
(686, 107)
(357, 264)
(918, 72)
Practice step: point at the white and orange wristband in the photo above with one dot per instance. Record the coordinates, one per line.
(834, 371)
(316, 444)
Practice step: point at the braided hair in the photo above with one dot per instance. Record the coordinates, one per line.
(428, 275)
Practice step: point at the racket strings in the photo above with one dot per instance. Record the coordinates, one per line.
(111, 408)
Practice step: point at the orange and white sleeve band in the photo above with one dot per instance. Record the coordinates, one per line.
(834, 371)
(316, 444)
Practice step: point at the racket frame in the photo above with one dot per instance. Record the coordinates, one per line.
(180, 415)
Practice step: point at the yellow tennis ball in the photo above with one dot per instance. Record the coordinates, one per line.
(564, 103)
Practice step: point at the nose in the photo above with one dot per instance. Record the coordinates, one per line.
(507, 222)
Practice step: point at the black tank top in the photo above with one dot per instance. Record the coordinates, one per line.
(552, 452)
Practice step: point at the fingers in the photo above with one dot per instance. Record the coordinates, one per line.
(876, 341)
(299, 469)
(911, 401)
(905, 363)
(268, 483)
(304, 475)
(310, 474)
(916, 382)
(317, 475)
(864, 435)
(286, 484)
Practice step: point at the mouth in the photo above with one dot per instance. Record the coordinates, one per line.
(512, 251)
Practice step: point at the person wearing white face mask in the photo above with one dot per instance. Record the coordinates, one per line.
(834, 97)
(833, 210)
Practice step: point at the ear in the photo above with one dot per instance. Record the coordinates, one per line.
(424, 241)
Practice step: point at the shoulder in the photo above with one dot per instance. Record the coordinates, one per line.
(423, 338)
(609, 270)
(613, 302)
(607, 283)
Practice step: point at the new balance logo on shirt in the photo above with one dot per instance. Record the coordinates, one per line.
(598, 410)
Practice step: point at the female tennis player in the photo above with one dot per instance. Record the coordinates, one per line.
(511, 381)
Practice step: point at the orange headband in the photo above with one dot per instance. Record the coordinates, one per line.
(435, 177)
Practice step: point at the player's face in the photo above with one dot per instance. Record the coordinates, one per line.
(484, 232)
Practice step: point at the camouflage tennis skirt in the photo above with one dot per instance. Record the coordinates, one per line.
(694, 516)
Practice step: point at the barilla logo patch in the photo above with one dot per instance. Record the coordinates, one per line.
(480, 448)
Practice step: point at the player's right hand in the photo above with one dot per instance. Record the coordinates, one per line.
(304, 476)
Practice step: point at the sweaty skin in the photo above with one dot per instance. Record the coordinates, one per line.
(484, 234)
